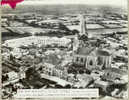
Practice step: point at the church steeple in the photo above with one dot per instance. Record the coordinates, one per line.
(83, 29)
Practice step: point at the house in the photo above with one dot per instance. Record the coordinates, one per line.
(115, 75)
(104, 86)
(84, 81)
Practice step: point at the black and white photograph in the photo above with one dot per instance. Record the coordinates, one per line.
(65, 44)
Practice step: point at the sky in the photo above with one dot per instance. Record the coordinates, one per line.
(91, 2)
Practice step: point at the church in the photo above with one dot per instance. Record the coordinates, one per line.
(90, 57)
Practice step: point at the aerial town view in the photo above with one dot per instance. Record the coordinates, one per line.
(65, 47)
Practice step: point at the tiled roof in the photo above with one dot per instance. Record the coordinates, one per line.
(92, 51)
(116, 70)
(85, 50)
(53, 59)
(102, 52)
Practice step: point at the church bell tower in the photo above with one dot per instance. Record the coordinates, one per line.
(83, 28)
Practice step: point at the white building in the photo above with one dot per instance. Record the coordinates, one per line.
(44, 40)
(12, 75)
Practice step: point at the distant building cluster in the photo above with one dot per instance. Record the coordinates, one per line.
(37, 40)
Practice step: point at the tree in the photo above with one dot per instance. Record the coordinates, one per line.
(83, 38)
(11, 57)
(98, 43)
(75, 31)
(68, 86)
(63, 27)
(32, 73)
(5, 78)
(81, 71)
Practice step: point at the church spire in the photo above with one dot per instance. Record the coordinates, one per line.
(83, 29)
